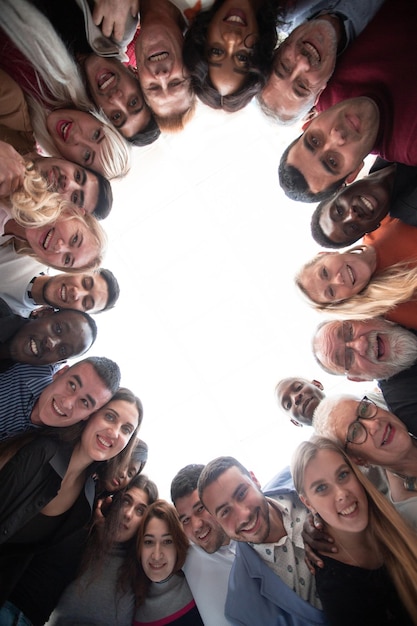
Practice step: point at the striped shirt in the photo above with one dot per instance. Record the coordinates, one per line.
(20, 387)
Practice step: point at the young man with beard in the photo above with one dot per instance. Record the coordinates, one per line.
(31, 397)
(304, 62)
(269, 582)
(211, 553)
(24, 291)
(52, 337)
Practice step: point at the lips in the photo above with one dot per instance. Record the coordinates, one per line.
(369, 207)
(105, 79)
(57, 409)
(63, 129)
(104, 442)
(158, 56)
(203, 536)
(380, 347)
(312, 53)
(46, 241)
(63, 293)
(388, 435)
(236, 17)
(353, 122)
(351, 274)
(350, 510)
(251, 529)
(33, 347)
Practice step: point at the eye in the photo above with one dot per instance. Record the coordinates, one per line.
(140, 511)
(147, 542)
(314, 141)
(320, 488)
(96, 134)
(298, 387)
(343, 474)
(133, 102)
(339, 210)
(109, 417)
(128, 430)
(243, 58)
(201, 508)
(86, 156)
(63, 352)
(287, 405)
(58, 328)
(71, 385)
(332, 162)
(324, 273)
(116, 116)
(77, 176)
(74, 239)
(168, 542)
(154, 88)
(85, 402)
(330, 293)
(241, 493)
(225, 512)
(75, 198)
(215, 52)
(185, 521)
(88, 283)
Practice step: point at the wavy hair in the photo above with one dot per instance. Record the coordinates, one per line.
(386, 289)
(395, 539)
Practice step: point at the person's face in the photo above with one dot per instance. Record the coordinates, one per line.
(51, 339)
(115, 89)
(72, 396)
(335, 143)
(365, 349)
(158, 553)
(239, 506)
(163, 77)
(78, 136)
(200, 527)
(134, 504)
(387, 437)
(73, 182)
(356, 209)
(108, 430)
(333, 491)
(337, 276)
(67, 244)
(231, 36)
(302, 65)
(85, 292)
(299, 398)
(123, 477)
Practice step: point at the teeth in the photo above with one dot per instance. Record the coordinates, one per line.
(312, 51)
(158, 57)
(367, 204)
(203, 536)
(55, 407)
(34, 347)
(106, 83)
(237, 19)
(104, 442)
(350, 509)
(64, 130)
(352, 277)
(64, 293)
(386, 436)
(48, 239)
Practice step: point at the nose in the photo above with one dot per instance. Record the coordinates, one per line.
(338, 279)
(157, 552)
(340, 492)
(62, 183)
(360, 344)
(129, 513)
(337, 136)
(231, 38)
(298, 398)
(301, 65)
(50, 343)
(59, 246)
(116, 96)
(196, 523)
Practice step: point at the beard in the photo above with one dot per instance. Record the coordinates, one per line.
(403, 351)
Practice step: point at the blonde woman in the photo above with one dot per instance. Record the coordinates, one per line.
(64, 120)
(378, 278)
(372, 579)
(40, 223)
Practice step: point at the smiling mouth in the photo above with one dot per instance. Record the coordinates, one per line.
(368, 206)
(33, 347)
(236, 18)
(380, 347)
(105, 79)
(354, 123)
(351, 274)
(388, 435)
(349, 510)
(63, 293)
(57, 409)
(46, 242)
(158, 56)
(63, 129)
(204, 535)
(312, 53)
(104, 442)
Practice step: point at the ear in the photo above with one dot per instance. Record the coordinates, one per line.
(306, 503)
(354, 174)
(255, 480)
(319, 94)
(133, 69)
(43, 311)
(293, 421)
(318, 384)
(307, 123)
(60, 372)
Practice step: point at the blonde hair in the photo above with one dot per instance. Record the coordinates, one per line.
(386, 289)
(59, 83)
(395, 539)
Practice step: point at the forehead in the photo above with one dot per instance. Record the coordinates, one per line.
(185, 504)
(324, 464)
(327, 342)
(137, 495)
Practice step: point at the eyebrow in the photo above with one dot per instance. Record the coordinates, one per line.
(323, 480)
(82, 198)
(83, 176)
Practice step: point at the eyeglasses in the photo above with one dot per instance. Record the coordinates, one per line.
(347, 335)
(356, 432)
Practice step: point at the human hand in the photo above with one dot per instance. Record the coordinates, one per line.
(101, 510)
(12, 169)
(112, 16)
(316, 540)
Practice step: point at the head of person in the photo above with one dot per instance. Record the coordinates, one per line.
(353, 211)
(364, 349)
(52, 337)
(76, 392)
(228, 49)
(163, 77)
(330, 151)
(199, 525)
(301, 67)
(368, 433)
(91, 292)
(161, 542)
(82, 187)
(87, 138)
(117, 476)
(333, 277)
(233, 496)
(116, 90)
(299, 398)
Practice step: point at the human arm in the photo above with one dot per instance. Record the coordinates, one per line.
(113, 15)
(316, 539)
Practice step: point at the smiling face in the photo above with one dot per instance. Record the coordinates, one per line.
(71, 397)
(158, 553)
(335, 143)
(239, 506)
(51, 339)
(358, 208)
(163, 77)
(387, 437)
(333, 491)
(108, 430)
(67, 244)
(365, 350)
(302, 65)
(86, 292)
(134, 504)
(335, 276)
(299, 398)
(231, 36)
(72, 181)
(115, 89)
(200, 527)
(78, 136)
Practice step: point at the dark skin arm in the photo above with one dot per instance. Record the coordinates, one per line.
(316, 540)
